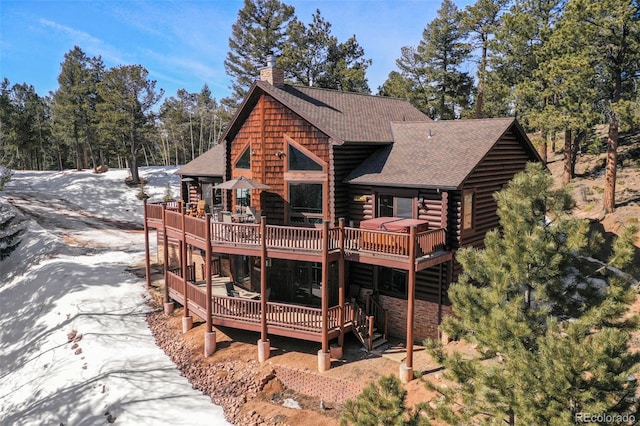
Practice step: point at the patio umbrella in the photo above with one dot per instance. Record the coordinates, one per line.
(241, 183)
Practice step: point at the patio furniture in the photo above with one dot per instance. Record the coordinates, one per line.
(201, 208)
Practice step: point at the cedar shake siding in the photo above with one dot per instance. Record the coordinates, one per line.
(267, 130)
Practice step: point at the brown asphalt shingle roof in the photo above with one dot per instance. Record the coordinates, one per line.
(211, 163)
(443, 160)
(345, 117)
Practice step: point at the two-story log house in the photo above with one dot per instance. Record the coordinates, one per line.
(366, 202)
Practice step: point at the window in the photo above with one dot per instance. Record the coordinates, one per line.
(390, 206)
(467, 210)
(307, 283)
(212, 195)
(299, 161)
(243, 197)
(244, 162)
(305, 203)
(392, 281)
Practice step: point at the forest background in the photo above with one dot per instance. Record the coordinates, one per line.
(561, 67)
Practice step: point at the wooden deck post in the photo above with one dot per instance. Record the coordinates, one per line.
(264, 348)
(341, 281)
(406, 369)
(187, 321)
(147, 256)
(209, 334)
(324, 356)
(168, 304)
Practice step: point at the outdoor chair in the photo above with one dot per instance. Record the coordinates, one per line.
(231, 291)
(201, 208)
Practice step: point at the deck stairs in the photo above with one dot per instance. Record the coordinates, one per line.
(370, 324)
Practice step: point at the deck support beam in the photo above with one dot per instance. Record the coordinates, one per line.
(264, 347)
(168, 304)
(147, 256)
(187, 321)
(341, 284)
(406, 369)
(209, 334)
(324, 357)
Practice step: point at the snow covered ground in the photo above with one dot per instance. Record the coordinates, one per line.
(75, 348)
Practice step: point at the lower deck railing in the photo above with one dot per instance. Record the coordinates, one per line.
(248, 311)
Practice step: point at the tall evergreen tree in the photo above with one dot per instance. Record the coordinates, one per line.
(481, 21)
(551, 327)
(609, 35)
(443, 51)
(25, 126)
(434, 67)
(259, 29)
(74, 103)
(520, 51)
(126, 110)
(410, 82)
(313, 57)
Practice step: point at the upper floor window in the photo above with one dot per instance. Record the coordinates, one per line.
(244, 162)
(300, 161)
(390, 206)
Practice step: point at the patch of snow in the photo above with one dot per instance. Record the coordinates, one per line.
(75, 348)
(291, 403)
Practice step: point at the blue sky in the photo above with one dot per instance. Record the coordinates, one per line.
(183, 44)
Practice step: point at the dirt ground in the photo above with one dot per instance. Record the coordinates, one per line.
(265, 406)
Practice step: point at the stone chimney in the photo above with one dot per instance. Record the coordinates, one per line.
(272, 74)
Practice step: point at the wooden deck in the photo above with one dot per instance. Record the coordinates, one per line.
(382, 248)
(282, 319)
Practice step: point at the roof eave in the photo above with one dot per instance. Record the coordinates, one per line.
(405, 185)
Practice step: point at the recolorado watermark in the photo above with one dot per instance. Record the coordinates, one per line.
(604, 418)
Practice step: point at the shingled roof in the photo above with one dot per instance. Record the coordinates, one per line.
(439, 154)
(343, 116)
(211, 163)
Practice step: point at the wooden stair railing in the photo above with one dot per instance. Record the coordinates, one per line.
(379, 314)
(361, 326)
(365, 325)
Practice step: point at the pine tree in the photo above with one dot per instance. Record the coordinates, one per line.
(608, 33)
(125, 111)
(433, 68)
(313, 57)
(259, 29)
(380, 403)
(74, 103)
(481, 21)
(550, 325)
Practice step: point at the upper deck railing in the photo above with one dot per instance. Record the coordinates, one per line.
(299, 239)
